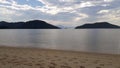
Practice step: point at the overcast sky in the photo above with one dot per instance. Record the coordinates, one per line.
(61, 12)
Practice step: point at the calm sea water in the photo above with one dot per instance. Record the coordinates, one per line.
(91, 40)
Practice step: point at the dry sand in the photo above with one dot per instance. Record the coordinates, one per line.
(43, 58)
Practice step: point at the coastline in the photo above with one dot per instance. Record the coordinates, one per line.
(14, 57)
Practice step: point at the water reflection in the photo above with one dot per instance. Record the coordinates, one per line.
(33, 37)
(94, 40)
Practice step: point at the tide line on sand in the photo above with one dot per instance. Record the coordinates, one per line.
(12, 57)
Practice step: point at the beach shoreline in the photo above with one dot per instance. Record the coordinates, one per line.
(18, 57)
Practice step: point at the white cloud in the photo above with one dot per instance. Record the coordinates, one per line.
(112, 16)
(5, 11)
(103, 11)
(14, 5)
(7, 14)
(58, 6)
(4, 2)
(86, 4)
(67, 0)
(61, 12)
(80, 17)
(50, 10)
(108, 0)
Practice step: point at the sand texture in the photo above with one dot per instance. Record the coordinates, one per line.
(43, 58)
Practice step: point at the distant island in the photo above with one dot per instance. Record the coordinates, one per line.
(97, 25)
(34, 24)
(39, 24)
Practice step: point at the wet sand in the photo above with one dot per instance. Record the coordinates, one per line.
(11, 57)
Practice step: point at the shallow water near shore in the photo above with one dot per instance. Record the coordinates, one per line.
(86, 40)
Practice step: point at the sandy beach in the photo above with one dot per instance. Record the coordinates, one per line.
(11, 57)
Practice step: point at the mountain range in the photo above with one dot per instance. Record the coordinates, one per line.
(39, 24)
